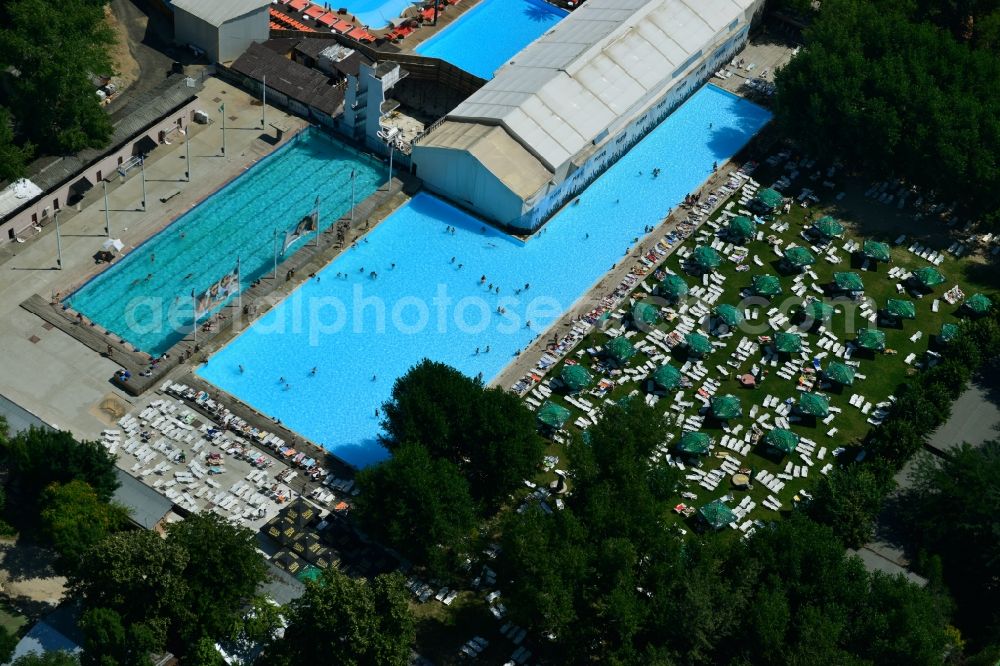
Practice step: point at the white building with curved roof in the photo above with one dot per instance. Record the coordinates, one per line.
(568, 105)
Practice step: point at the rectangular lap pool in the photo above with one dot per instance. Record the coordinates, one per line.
(146, 297)
(491, 33)
(434, 289)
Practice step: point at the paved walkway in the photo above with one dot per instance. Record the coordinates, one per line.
(45, 370)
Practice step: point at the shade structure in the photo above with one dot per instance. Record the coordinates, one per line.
(871, 339)
(741, 228)
(814, 404)
(782, 440)
(620, 349)
(706, 258)
(948, 332)
(645, 313)
(839, 373)
(787, 343)
(694, 443)
(697, 343)
(875, 250)
(553, 415)
(667, 377)
(717, 514)
(818, 310)
(799, 257)
(728, 314)
(928, 277)
(674, 286)
(769, 198)
(575, 377)
(901, 308)
(726, 407)
(846, 281)
(766, 285)
(827, 227)
(978, 304)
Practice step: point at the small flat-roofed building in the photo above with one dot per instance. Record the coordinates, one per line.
(223, 29)
(573, 101)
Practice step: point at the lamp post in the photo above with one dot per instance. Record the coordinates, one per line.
(107, 214)
(263, 103)
(187, 154)
(58, 242)
(142, 168)
(222, 110)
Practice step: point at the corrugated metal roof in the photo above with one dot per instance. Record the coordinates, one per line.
(217, 12)
(571, 84)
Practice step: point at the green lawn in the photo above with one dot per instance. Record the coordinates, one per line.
(883, 372)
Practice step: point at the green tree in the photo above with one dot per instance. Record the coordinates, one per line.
(36, 458)
(951, 510)
(13, 157)
(222, 573)
(111, 641)
(8, 641)
(53, 658)
(417, 504)
(346, 621)
(73, 519)
(55, 49)
(849, 499)
(487, 432)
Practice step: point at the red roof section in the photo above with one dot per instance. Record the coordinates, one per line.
(299, 5)
(315, 11)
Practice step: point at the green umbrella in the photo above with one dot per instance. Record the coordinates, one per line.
(698, 344)
(875, 250)
(827, 227)
(667, 377)
(848, 281)
(695, 443)
(645, 313)
(717, 514)
(787, 343)
(814, 404)
(741, 227)
(840, 373)
(798, 257)
(948, 332)
(728, 314)
(929, 277)
(782, 440)
(901, 308)
(818, 310)
(871, 339)
(769, 198)
(726, 407)
(979, 304)
(674, 286)
(553, 415)
(706, 258)
(620, 349)
(766, 285)
(575, 377)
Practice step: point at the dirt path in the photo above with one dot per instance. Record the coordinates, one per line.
(27, 578)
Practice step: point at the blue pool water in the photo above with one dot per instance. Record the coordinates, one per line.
(491, 33)
(146, 297)
(375, 13)
(433, 308)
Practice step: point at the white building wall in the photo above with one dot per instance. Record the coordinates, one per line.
(189, 29)
(236, 35)
(460, 177)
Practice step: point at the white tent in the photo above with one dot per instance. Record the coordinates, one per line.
(113, 245)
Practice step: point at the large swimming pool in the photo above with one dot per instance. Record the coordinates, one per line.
(375, 13)
(428, 300)
(491, 33)
(146, 297)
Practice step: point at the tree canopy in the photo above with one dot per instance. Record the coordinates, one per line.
(346, 621)
(900, 88)
(73, 518)
(417, 504)
(52, 51)
(487, 432)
